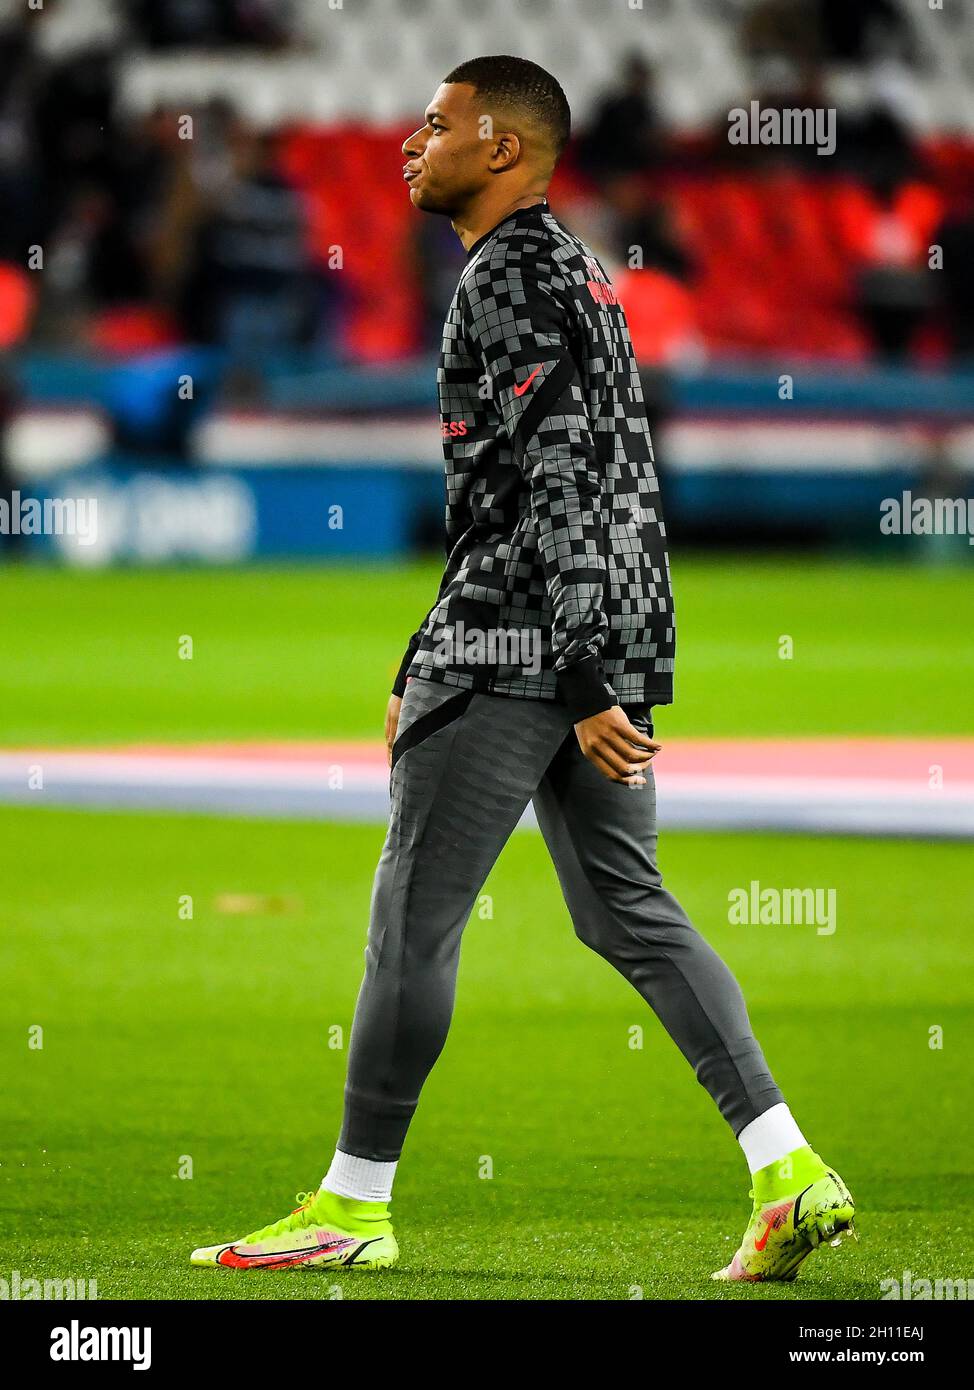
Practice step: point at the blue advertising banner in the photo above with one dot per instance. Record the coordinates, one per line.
(106, 516)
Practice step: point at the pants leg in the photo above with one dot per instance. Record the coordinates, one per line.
(465, 767)
(602, 838)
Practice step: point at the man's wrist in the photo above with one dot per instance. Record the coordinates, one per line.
(584, 689)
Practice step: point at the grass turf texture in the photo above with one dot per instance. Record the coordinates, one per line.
(611, 1169)
(310, 653)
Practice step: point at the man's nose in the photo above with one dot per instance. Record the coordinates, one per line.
(413, 145)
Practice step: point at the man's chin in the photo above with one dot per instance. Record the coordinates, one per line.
(420, 198)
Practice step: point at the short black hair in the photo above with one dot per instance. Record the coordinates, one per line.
(524, 85)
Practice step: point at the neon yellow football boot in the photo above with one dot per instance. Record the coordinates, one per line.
(324, 1231)
(799, 1204)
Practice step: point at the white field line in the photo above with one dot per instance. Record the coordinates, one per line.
(172, 770)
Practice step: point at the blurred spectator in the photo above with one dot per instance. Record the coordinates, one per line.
(955, 237)
(624, 135)
(21, 186)
(787, 30)
(875, 145)
(71, 278)
(856, 31)
(644, 236)
(144, 170)
(76, 130)
(248, 289)
(649, 269)
(211, 23)
(148, 416)
(887, 228)
(439, 258)
(180, 185)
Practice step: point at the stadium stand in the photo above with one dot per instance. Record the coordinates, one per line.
(215, 188)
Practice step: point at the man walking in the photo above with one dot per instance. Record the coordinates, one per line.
(532, 679)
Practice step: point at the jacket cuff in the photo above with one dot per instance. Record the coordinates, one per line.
(584, 689)
(402, 675)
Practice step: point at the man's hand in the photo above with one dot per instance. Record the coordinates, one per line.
(392, 723)
(607, 740)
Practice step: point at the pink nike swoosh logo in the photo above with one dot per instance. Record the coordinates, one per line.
(773, 1217)
(520, 390)
(760, 1244)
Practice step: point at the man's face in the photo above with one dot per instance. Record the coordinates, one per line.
(448, 161)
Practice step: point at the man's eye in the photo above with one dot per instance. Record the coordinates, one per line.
(439, 129)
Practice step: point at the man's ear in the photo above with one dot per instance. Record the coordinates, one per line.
(506, 151)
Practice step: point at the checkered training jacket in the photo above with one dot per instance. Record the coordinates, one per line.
(557, 580)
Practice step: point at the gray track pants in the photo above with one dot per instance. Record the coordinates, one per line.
(465, 767)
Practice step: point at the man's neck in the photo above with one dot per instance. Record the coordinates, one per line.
(477, 222)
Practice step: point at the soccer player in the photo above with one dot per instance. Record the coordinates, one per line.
(533, 679)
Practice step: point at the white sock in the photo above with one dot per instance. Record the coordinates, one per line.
(361, 1178)
(770, 1137)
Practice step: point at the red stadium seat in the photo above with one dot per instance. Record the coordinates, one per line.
(775, 253)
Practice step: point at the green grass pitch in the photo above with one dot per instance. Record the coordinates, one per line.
(310, 653)
(214, 1039)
